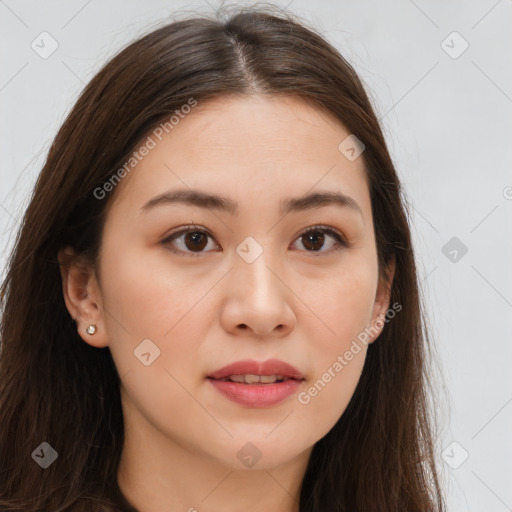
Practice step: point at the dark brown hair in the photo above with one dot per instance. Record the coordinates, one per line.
(55, 388)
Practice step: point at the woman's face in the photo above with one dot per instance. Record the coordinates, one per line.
(255, 278)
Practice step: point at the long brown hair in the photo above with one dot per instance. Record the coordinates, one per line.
(55, 388)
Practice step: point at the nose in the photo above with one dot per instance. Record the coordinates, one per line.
(257, 299)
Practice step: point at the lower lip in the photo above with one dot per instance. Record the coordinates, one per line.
(257, 395)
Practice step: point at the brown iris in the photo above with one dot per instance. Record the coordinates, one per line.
(313, 240)
(197, 239)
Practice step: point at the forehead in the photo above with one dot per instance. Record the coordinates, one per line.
(249, 148)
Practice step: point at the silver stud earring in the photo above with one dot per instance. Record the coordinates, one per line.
(91, 329)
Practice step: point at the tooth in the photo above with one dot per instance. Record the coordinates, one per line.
(255, 379)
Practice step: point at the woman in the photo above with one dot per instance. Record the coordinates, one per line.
(213, 302)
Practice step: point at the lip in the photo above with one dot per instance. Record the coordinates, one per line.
(257, 395)
(269, 367)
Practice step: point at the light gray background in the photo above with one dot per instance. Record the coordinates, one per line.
(448, 123)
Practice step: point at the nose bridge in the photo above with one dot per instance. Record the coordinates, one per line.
(251, 267)
(257, 297)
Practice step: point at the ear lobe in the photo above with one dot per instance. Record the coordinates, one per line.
(81, 296)
(382, 299)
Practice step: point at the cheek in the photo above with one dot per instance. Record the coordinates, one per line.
(144, 300)
(146, 293)
(341, 306)
(151, 310)
(326, 397)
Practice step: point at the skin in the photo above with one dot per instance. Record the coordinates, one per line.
(206, 309)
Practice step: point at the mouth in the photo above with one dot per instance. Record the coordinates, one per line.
(255, 379)
(255, 384)
(254, 372)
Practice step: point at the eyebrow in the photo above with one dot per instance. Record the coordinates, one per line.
(221, 203)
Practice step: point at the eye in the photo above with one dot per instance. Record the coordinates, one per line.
(314, 238)
(193, 239)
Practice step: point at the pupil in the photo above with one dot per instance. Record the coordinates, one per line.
(194, 236)
(310, 237)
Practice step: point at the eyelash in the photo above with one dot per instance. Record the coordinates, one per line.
(340, 241)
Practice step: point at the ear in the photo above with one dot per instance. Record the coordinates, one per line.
(82, 296)
(382, 299)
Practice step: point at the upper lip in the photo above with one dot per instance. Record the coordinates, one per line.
(249, 366)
